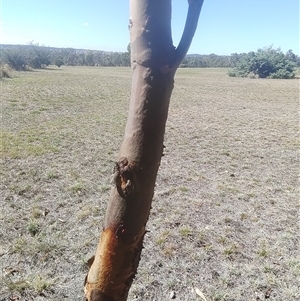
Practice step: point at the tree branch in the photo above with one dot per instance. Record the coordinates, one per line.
(189, 30)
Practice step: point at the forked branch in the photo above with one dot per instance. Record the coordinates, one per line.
(189, 30)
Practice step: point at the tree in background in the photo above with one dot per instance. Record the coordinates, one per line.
(89, 58)
(154, 62)
(59, 62)
(19, 57)
(266, 63)
(37, 56)
(291, 56)
(15, 59)
(71, 59)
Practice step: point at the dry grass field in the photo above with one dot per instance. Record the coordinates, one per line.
(225, 217)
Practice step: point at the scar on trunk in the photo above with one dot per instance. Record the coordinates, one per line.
(125, 177)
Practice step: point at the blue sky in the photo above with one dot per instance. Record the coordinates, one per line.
(225, 26)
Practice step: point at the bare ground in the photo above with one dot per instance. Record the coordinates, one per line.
(225, 216)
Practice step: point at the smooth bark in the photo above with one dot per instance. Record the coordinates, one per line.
(154, 62)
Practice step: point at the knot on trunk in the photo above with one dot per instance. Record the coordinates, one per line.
(125, 177)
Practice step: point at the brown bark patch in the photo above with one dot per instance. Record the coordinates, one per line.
(111, 273)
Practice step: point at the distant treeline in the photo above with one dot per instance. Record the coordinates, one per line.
(23, 57)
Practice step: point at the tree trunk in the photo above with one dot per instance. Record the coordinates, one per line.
(154, 61)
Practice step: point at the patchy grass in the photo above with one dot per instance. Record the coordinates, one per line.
(226, 207)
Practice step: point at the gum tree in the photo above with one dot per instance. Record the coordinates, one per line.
(154, 62)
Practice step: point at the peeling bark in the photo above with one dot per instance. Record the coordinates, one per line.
(154, 62)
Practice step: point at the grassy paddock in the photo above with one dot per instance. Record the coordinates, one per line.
(225, 211)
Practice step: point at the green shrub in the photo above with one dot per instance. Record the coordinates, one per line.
(265, 63)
